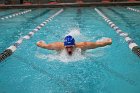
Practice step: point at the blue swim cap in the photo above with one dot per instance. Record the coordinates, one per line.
(69, 41)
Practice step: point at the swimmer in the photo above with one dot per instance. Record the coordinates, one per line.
(69, 45)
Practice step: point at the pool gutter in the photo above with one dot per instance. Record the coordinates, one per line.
(72, 5)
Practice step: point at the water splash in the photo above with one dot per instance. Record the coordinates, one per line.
(75, 32)
(62, 56)
(102, 39)
(77, 55)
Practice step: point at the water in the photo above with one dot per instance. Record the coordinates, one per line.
(128, 18)
(109, 69)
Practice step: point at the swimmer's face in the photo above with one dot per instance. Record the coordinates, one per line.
(69, 49)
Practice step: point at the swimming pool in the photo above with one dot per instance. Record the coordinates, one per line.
(110, 69)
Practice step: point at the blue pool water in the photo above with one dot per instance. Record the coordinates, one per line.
(111, 69)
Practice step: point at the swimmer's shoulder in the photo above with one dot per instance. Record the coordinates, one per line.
(80, 45)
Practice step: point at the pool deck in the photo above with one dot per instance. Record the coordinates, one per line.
(91, 4)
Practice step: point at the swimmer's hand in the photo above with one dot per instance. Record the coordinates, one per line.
(40, 43)
(108, 41)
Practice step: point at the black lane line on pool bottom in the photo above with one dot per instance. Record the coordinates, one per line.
(122, 16)
(31, 20)
(52, 77)
(9, 51)
(115, 73)
(78, 17)
(132, 45)
(37, 16)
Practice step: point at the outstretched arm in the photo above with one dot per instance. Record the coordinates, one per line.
(92, 45)
(52, 46)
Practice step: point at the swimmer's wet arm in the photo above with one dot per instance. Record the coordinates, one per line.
(92, 45)
(42, 44)
(103, 43)
(52, 46)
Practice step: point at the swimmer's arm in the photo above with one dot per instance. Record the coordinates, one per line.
(52, 46)
(92, 45)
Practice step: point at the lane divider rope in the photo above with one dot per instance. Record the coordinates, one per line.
(16, 14)
(9, 51)
(132, 45)
(132, 9)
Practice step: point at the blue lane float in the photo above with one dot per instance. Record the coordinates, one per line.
(9, 51)
(16, 14)
(132, 9)
(132, 45)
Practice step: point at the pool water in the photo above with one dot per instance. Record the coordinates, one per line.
(109, 69)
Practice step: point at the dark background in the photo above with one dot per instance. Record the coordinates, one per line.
(46, 1)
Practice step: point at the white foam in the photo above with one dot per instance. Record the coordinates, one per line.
(63, 56)
(102, 39)
(74, 32)
(77, 55)
(95, 53)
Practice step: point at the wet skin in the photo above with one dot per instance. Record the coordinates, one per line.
(69, 49)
